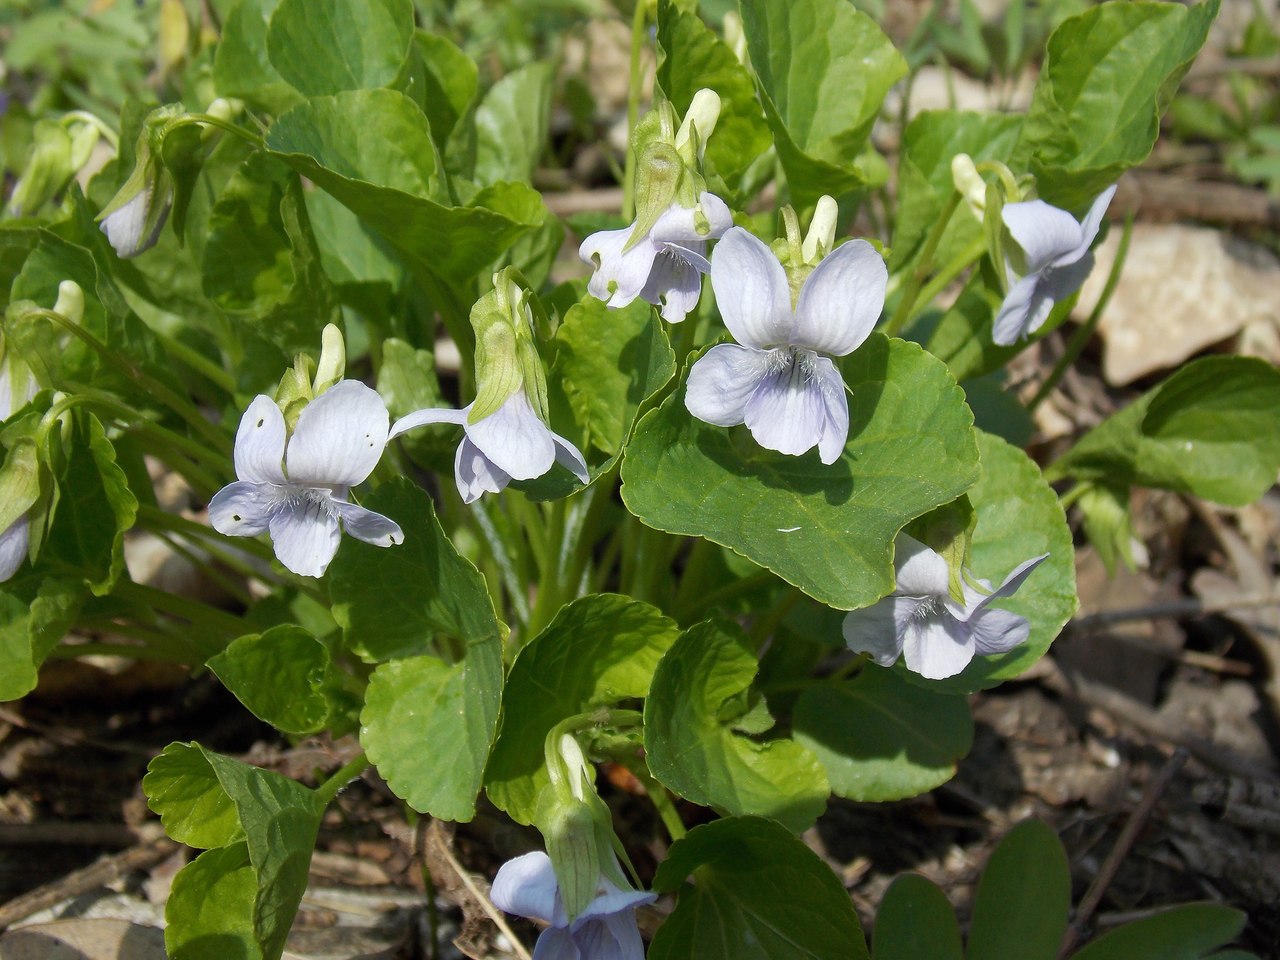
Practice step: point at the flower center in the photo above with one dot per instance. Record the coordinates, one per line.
(317, 501)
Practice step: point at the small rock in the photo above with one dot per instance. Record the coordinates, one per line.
(1183, 289)
(94, 939)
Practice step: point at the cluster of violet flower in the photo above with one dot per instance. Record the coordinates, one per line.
(789, 313)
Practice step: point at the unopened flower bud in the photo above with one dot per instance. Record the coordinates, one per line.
(333, 359)
(70, 302)
(969, 183)
(821, 238)
(699, 121)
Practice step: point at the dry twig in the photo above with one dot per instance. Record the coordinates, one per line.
(1124, 843)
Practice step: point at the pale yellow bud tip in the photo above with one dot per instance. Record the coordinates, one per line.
(969, 183)
(703, 113)
(70, 301)
(822, 231)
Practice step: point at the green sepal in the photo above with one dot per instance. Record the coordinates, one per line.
(294, 391)
(19, 481)
(571, 830)
(659, 172)
(993, 231)
(947, 532)
(498, 373)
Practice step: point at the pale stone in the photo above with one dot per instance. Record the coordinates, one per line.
(1183, 289)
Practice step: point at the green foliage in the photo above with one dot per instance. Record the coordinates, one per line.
(1208, 430)
(695, 58)
(915, 920)
(925, 181)
(1187, 932)
(757, 893)
(794, 515)
(35, 613)
(607, 363)
(324, 47)
(1107, 78)
(259, 827)
(1020, 910)
(599, 651)
(823, 70)
(701, 727)
(283, 676)
(425, 614)
(511, 124)
(880, 738)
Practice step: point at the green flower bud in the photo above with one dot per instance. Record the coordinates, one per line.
(58, 150)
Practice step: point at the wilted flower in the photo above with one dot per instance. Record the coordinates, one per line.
(296, 488)
(605, 930)
(776, 379)
(512, 443)
(922, 620)
(1054, 262)
(663, 266)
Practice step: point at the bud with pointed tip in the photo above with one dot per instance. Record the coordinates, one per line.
(59, 148)
(699, 122)
(821, 238)
(333, 360)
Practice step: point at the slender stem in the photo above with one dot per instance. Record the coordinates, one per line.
(967, 258)
(198, 362)
(1078, 341)
(211, 121)
(906, 306)
(200, 615)
(498, 549)
(329, 789)
(179, 405)
(663, 803)
(639, 22)
(765, 626)
(206, 568)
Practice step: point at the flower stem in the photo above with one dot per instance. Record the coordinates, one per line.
(330, 788)
(179, 405)
(1076, 345)
(639, 22)
(906, 306)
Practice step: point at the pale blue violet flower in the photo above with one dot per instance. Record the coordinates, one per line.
(605, 930)
(296, 487)
(778, 378)
(512, 443)
(922, 621)
(663, 267)
(15, 392)
(1053, 263)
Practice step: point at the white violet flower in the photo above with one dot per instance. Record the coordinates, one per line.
(14, 543)
(297, 489)
(512, 443)
(1056, 261)
(605, 930)
(776, 379)
(922, 621)
(663, 267)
